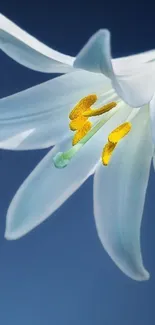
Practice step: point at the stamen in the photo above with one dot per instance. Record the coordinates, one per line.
(81, 133)
(114, 137)
(120, 132)
(62, 159)
(99, 111)
(83, 105)
(107, 152)
(77, 123)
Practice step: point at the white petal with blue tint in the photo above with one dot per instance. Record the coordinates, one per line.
(30, 52)
(119, 195)
(135, 85)
(45, 109)
(154, 160)
(27, 137)
(152, 117)
(129, 64)
(16, 140)
(47, 187)
(94, 56)
(137, 89)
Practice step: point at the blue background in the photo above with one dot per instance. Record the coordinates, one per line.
(59, 273)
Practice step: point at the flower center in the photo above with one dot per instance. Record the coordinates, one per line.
(80, 114)
(79, 122)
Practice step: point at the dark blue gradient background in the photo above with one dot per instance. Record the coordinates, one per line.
(59, 273)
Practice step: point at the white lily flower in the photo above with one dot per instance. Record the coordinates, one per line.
(110, 104)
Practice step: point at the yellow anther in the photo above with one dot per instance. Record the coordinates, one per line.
(83, 105)
(107, 152)
(114, 137)
(77, 123)
(120, 132)
(99, 111)
(81, 133)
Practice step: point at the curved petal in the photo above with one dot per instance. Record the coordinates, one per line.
(154, 161)
(119, 195)
(135, 84)
(44, 110)
(138, 89)
(30, 136)
(152, 117)
(47, 187)
(94, 56)
(30, 52)
(126, 64)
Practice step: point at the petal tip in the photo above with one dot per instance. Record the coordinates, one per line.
(134, 271)
(144, 276)
(11, 235)
(102, 32)
(13, 232)
(94, 53)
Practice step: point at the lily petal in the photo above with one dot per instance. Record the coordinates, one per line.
(126, 64)
(135, 84)
(154, 160)
(152, 117)
(44, 110)
(48, 187)
(45, 136)
(30, 52)
(119, 195)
